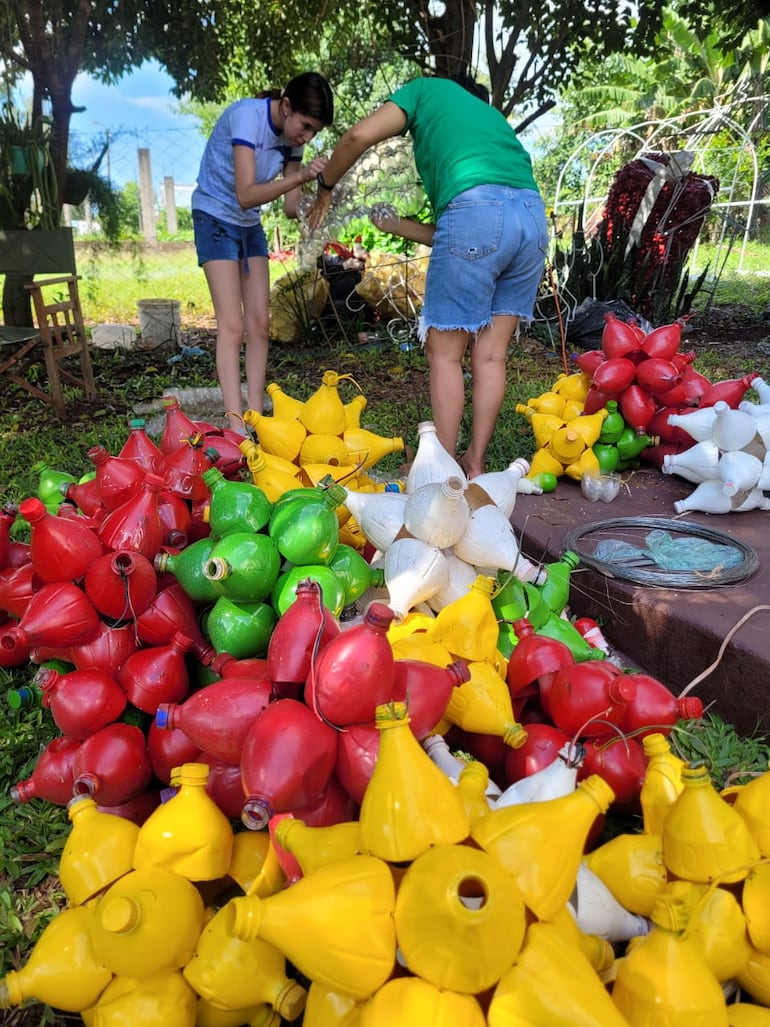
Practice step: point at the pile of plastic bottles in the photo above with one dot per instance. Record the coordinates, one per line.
(633, 399)
(318, 803)
(434, 906)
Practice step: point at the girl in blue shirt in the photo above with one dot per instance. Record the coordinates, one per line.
(253, 156)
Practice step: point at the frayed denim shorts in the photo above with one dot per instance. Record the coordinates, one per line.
(488, 257)
(217, 240)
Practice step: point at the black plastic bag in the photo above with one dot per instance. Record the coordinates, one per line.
(584, 329)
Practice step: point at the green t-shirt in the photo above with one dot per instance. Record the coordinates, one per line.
(459, 141)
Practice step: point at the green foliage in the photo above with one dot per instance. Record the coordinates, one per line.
(28, 193)
(31, 836)
(730, 758)
(591, 268)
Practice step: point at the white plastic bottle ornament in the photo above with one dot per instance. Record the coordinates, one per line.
(460, 577)
(761, 418)
(556, 779)
(379, 515)
(732, 429)
(738, 471)
(697, 423)
(764, 478)
(414, 571)
(696, 464)
(489, 542)
(438, 512)
(755, 409)
(502, 487)
(598, 912)
(762, 389)
(709, 497)
(431, 462)
(438, 749)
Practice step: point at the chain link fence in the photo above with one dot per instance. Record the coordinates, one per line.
(173, 154)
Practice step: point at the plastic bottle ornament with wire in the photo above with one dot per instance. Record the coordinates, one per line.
(311, 243)
(489, 541)
(301, 632)
(121, 585)
(383, 212)
(621, 762)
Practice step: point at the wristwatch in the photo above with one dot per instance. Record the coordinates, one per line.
(322, 182)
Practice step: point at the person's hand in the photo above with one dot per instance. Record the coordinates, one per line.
(320, 208)
(309, 171)
(386, 220)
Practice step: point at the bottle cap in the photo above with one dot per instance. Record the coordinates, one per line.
(119, 915)
(379, 614)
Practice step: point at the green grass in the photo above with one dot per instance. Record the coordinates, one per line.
(749, 286)
(113, 281)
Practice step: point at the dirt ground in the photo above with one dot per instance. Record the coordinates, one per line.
(739, 334)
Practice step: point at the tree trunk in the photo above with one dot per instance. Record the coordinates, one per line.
(450, 37)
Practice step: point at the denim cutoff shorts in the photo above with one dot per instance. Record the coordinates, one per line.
(488, 257)
(217, 240)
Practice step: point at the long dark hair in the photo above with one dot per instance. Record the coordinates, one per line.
(311, 95)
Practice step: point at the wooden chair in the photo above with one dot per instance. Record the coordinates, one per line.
(60, 339)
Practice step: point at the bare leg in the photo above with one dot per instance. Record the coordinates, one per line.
(488, 365)
(444, 351)
(255, 289)
(223, 277)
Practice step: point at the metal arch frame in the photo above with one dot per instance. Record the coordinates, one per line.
(706, 125)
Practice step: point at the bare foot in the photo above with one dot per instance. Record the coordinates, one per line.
(472, 470)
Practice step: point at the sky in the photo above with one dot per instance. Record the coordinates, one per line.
(139, 111)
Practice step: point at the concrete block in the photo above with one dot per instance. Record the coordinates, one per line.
(107, 336)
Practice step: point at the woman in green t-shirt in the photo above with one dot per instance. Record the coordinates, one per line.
(488, 242)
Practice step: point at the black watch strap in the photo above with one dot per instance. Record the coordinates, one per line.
(322, 182)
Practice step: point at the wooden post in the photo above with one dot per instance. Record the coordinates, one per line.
(170, 202)
(146, 204)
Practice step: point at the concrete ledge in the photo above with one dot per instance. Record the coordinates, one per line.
(673, 634)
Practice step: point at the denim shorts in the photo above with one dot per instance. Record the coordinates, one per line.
(488, 258)
(217, 240)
